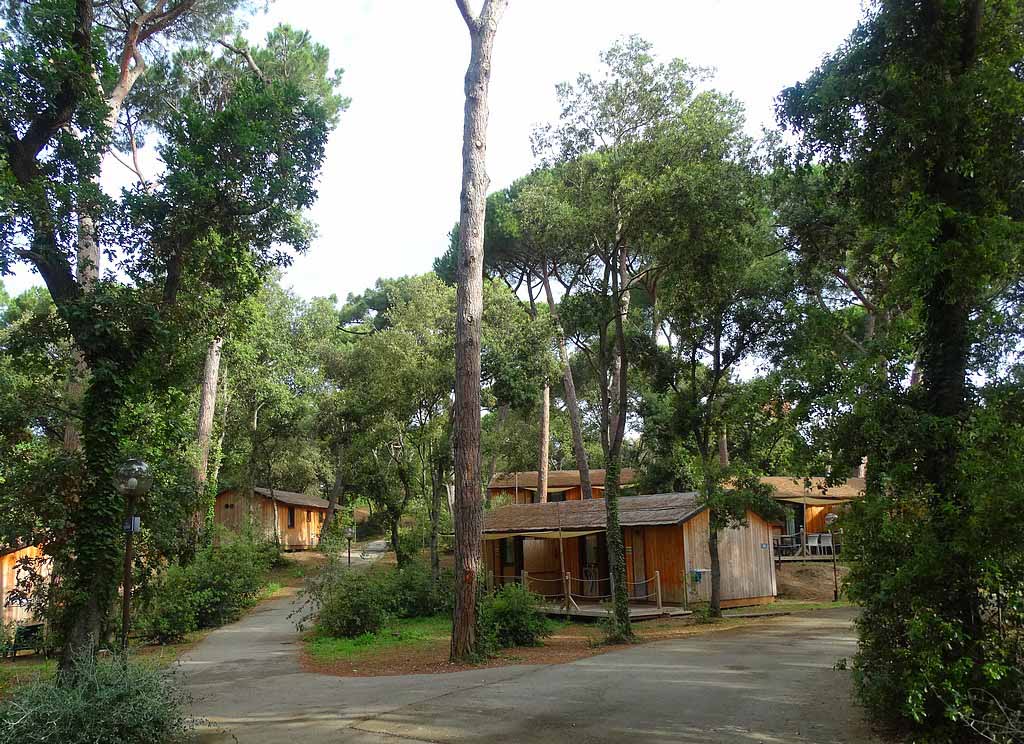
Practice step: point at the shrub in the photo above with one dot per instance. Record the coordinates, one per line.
(173, 607)
(228, 579)
(512, 616)
(412, 593)
(115, 701)
(352, 604)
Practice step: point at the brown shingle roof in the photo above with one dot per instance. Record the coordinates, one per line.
(556, 478)
(787, 487)
(296, 499)
(634, 511)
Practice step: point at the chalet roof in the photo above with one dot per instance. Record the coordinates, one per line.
(793, 489)
(556, 478)
(634, 511)
(294, 499)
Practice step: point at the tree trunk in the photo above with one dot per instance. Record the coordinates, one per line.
(337, 491)
(545, 439)
(224, 399)
(204, 434)
(622, 629)
(438, 491)
(492, 467)
(571, 403)
(89, 585)
(713, 531)
(716, 567)
(395, 522)
(469, 308)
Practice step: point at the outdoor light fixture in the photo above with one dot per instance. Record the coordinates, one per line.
(350, 533)
(133, 481)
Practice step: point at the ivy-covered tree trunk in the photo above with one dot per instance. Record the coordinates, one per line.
(616, 553)
(337, 492)
(469, 310)
(89, 585)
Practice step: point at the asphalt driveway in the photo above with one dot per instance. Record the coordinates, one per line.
(772, 682)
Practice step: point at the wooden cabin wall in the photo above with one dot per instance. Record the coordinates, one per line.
(230, 512)
(506, 496)
(542, 562)
(814, 516)
(9, 580)
(748, 569)
(663, 552)
(306, 531)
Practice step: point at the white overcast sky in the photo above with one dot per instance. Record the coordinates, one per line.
(390, 187)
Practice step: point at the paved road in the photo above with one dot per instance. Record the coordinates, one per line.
(772, 683)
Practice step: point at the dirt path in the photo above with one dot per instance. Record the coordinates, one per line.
(771, 682)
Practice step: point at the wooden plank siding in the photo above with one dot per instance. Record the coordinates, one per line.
(232, 510)
(748, 569)
(9, 580)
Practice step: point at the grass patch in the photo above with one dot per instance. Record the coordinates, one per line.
(14, 672)
(400, 633)
(787, 605)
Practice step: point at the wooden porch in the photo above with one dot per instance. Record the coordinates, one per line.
(597, 610)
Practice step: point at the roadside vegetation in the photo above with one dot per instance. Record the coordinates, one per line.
(660, 288)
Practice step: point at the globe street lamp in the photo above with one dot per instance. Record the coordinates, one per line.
(132, 481)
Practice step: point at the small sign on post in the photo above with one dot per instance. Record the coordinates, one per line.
(132, 525)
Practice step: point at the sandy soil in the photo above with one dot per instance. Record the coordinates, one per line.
(810, 582)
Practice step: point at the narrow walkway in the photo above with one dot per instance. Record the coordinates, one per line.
(771, 682)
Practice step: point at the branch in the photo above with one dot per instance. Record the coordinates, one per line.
(247, 56)
(467, 14)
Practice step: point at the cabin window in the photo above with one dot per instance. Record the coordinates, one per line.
(322, 515)
(291, 516)
(508, 554)
(556, 496)
(229, 506)
(309, 516)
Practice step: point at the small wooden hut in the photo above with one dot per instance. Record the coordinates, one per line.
(563, 485)
(299, 517)
(11, 563)
(560, 545)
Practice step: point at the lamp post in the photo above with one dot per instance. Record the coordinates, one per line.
(133, 480)
(830, 519)
(349, 534)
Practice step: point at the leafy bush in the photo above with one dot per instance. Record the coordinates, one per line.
(412, 593)
(173, 607)
(228, 579)
(115, 701)
(213, 590)
(352, 604)
(512, 616)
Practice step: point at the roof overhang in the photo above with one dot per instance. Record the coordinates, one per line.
(542, 534)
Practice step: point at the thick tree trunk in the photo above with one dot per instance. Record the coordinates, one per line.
(571, 402)
(204, 434)
(545, 440)
(616, 546)
(438, 492)
(90, 583)
(469, 308)
(395, 522)
(723, 448)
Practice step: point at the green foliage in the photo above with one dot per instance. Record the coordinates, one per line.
(173, 608)
(413, 593)
(352, 604)
(115, 701)
(215, 588)
(511, 617)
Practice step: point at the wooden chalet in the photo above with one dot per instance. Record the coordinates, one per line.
(805, 533)
(299, 517)
(559, 550)
(11, 563)
(563, 485)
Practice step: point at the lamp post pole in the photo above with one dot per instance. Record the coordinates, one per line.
(349, 534)
(126, 581)
(830, 520)
(133, 480)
